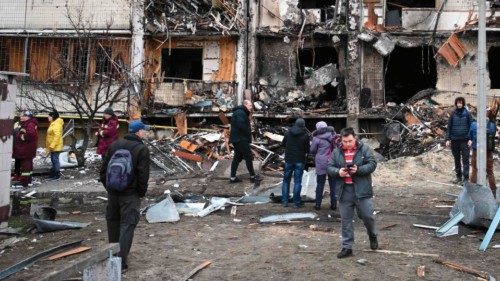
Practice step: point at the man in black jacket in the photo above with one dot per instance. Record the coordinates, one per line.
(296, 142)
(241, 137)
(122, 212)
(457, 135)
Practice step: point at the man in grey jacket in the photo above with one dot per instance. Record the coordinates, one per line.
(352, 165)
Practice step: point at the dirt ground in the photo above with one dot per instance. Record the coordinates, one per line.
(247, 250)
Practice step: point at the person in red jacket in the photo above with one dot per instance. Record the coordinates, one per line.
(25, 144)
(108, 131)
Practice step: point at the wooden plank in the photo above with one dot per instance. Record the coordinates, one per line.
(227, 60)
(463, 268)
(188, 156)
(78, 265)
(410, 254)
(69, 253)
(195, 270)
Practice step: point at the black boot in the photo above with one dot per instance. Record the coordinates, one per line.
(373, 242)
(344, 253)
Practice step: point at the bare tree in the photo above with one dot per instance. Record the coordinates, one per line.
(83, 78)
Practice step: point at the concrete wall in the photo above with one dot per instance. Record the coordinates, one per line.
(52, 14)
(463, 79)
(277, 62)
(7, 112)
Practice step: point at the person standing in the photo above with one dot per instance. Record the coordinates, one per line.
(323, 143)
(25, 144)
(108, 131)
(241, 137)
(122, 211)
(54, 143)
(352, 165)
(457, 135)
(296, 142)
(491, 130)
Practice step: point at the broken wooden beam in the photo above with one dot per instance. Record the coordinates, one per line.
(69, 253)
(195, 270)
(463, 268)
(73, 267)
(410, 254)
(188, 156)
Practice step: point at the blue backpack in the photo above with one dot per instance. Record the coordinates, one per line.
(119, 173)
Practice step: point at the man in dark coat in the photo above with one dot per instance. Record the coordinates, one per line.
(457, 135)
(122, 212)
(352, 165)
(25, 144)
(296, 142)
(108, 131)
(241, 137)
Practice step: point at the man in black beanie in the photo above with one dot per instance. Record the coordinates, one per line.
(296, 142)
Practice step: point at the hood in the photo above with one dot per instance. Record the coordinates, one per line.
(59, 120)
(329, 130)
(328, 136)
(297, 130)
(113, 117)
(132, 137)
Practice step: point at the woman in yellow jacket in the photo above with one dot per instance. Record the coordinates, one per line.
(54, 143)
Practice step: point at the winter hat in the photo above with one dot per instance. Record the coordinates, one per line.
(109, 111)
(54, 114)
(301, 123)
(28, 113)
(321, 124)
(137, 125)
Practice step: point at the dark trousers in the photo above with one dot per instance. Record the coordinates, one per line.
(23, 168)
(320, 186)
(461, 154)
(296, 170)
(364, 207)
(242, 151)
(55, 171)
(122, 216)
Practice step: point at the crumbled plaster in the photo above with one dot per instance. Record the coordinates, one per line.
(289, 11)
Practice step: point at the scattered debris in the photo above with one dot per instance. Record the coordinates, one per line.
(315, 227)
(216, 203)
(410, 254)
(463, 268)
(421, 271)
(49, 226)
(362, 261)
(388, 226)
(7, 243)
(195, 270)
(69, 253)
(29, 261)
(164, 211)
(288, 217)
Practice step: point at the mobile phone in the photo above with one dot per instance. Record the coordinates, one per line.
(349, 166)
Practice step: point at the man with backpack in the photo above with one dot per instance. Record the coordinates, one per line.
(491, 130)
(125, 175)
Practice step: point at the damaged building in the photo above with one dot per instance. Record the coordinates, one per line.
(345, 61)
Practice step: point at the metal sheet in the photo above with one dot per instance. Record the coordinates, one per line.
(49, 226)
(289, 217)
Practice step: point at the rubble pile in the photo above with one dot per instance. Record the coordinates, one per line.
(193, 15)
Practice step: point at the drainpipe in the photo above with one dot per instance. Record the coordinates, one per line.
(242, 57)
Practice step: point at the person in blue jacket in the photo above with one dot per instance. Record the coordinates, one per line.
(491, 129)
(457, 136)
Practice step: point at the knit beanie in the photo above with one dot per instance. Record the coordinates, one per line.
(301, 123)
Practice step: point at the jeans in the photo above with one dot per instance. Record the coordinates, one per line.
(461, 152)
(56, 166)
(364, 207)
(295, 169)
(242, 151)
(489, 170)
(320, 186)
(122, 216)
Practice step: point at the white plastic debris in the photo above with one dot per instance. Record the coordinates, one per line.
(164, 211)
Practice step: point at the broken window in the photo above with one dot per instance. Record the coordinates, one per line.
(408, 71)
(394, 9)
(310, 59)
(80, 60)
(182, 63)
(103, 62)
(4, 58)
(494, 67)
(315, 4)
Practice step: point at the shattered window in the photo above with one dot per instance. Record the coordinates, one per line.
(80, 58)
(4, 58)
(494, 67)
(394, 9)
(103, 62)
(182, 63)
